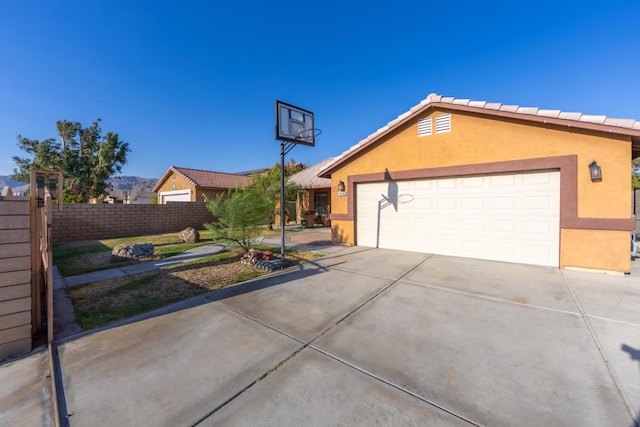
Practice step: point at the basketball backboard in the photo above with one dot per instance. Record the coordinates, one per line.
(294, 124)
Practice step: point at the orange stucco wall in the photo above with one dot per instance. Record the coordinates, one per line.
(596, 249)
(476, 139)
(176, 182)
(342, 231)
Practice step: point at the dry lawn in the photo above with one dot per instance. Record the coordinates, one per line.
(103, 302)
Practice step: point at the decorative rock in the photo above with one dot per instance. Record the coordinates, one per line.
(190, 235)
(259, 259)
(131, 251)
(251, 257)
(274, 264)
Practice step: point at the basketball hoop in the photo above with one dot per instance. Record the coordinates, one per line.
(294, 125)
(308, 135)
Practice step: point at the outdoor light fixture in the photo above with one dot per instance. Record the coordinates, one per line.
(595, 171)
(341, 186)
(53, 186)
(42, 180)
(40, 190)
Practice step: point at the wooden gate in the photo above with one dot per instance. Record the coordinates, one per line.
(45, 186)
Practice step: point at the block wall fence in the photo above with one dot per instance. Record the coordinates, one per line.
(104, 221)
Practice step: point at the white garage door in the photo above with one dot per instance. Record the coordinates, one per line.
(175, 196)
(512, 218)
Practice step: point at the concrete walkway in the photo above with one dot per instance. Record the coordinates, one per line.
(25, 395)
(190, 255)
(372, 337)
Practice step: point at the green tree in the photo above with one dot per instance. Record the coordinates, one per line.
(635, 166)
(240, 215)
(268, 183)
(86, 156)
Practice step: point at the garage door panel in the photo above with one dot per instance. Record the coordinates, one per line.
(538, 227)
(447, 245)
(536, 202)
(503, 226)
(422, 185)
(404, 186)
(445, 184)
(473, 247)
(503, 203)
(402, 230)
(502, 180)
(536, 251)
(474, 203)
(501, 217)
(447, 203)
(447, 224)
(472, 182)
(470, 225)
(535, 179)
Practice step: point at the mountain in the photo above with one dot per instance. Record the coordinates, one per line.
(130, 183)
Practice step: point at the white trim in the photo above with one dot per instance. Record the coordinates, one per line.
(162, 194)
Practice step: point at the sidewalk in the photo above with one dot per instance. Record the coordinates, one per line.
(316, 240)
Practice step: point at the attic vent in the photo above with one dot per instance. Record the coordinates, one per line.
(425, 127)
(443, 123)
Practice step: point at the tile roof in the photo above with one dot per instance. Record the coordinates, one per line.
(205, 179)
(629, 127)
(308, 177)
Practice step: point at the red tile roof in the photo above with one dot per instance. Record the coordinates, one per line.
(205, 179)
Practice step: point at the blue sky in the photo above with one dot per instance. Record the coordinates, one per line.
(193, 83)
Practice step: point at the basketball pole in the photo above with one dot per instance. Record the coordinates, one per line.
(282, 153)
(284, 149)
(291, 123)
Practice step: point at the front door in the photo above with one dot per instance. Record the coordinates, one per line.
(321, 206)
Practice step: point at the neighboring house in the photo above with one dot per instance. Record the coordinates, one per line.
(194, 185)
(143, 197)
(491, 181)
(314, 204)
(129, 197)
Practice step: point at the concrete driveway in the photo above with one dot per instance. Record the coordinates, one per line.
(372, 337)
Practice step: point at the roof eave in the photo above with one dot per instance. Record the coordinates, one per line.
(162, 180)
(186, 177)
(419, 109)
(635, 147)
